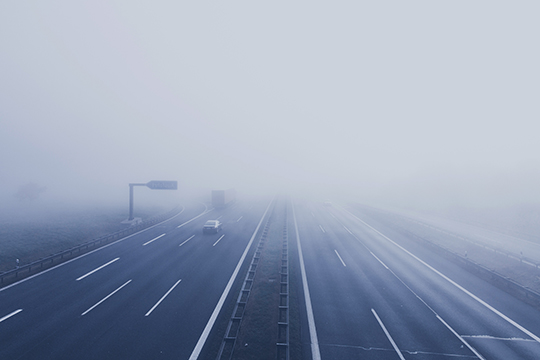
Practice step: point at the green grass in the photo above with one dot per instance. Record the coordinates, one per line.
(33, 238)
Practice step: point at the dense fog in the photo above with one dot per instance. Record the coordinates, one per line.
(417, 104)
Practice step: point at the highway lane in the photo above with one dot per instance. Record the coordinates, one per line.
(149, 301)
(496, 323)
(355, 304)
(448, 231)
(373, 300)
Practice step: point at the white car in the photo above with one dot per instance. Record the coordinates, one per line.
(211, 227)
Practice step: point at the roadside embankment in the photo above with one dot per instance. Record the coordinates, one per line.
(514, 272)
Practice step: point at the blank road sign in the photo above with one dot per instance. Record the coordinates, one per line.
(162, 185)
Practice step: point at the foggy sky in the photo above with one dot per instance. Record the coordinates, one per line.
(419, 102)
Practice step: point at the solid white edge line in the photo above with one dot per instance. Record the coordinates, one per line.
(154, 239)
(315, 352)
(163, 297)
(419, 298)
(206, 332)
(88, 253)
(105, 298)
(340, 259)
(515, 324)
(221, 237)
(206, 211)
(93, 271)
(461, 338)
(388, 335)
(191, 237)
(10, 315)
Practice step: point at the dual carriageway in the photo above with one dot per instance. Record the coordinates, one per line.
(363, 290)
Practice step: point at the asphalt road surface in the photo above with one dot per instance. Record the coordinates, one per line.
(148, 296)
(375, 294)
(367, 292)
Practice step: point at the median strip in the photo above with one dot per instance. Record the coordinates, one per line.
(206, 332)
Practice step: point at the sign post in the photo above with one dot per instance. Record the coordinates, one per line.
(154, 185)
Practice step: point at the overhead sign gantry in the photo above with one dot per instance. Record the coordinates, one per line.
(154, 185)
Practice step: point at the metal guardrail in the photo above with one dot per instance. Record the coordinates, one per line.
(522, 258)
(283, 352)
(514, 255)
(35, 267)
(228, 343)
(504, 283)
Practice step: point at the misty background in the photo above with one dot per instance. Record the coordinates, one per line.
(418, 104)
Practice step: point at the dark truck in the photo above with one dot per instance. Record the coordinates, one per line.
(222, 198)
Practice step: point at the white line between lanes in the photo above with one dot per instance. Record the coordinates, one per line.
(315, 352)
(322, 229)
(240, 218)
(221, 237)
(191, 237)
(105, 298)
(154, 239)
(375, 256)
(515, 324)
(347, 229)
(206, 332)
(91, 252)
(163, 297)
(99, 268)
(388, 335)
(10, 315)
(422, 300)
(340, 259)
